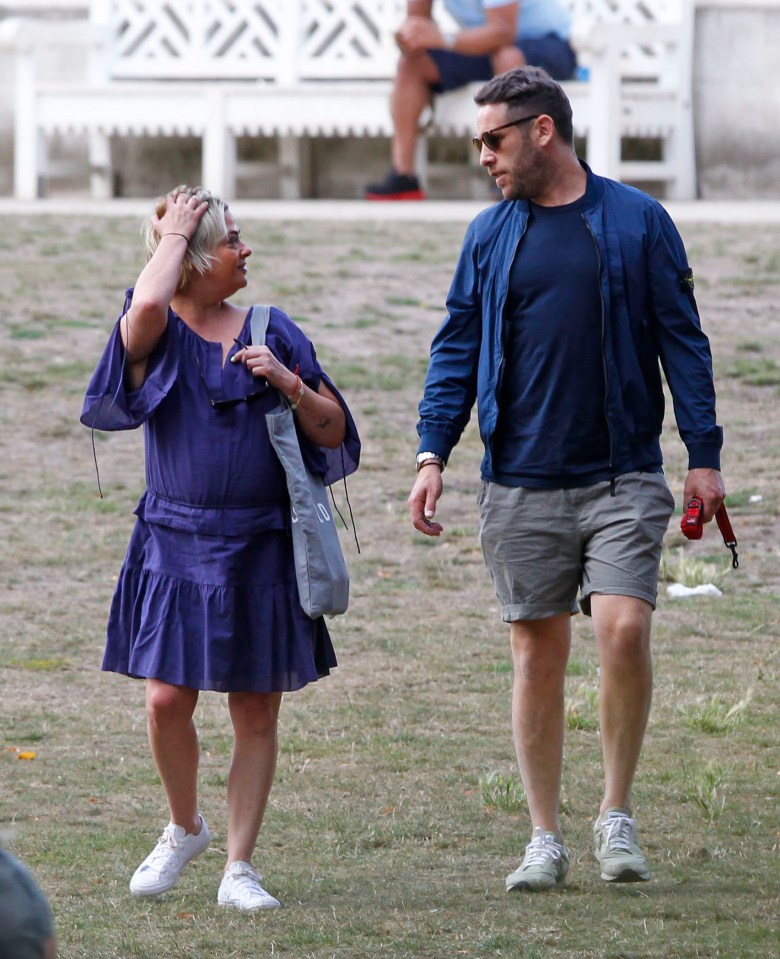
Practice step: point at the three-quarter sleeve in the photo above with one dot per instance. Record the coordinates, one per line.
(109, 404)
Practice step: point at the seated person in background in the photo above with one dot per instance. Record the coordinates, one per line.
(26, 924)
(494, 36)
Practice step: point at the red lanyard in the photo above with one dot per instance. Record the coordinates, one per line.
(692, 527)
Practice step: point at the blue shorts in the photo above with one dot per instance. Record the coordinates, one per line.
(551, 53)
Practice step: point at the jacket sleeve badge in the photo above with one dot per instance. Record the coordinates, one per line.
(686, 280)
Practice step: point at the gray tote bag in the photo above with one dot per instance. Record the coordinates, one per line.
(320, 569)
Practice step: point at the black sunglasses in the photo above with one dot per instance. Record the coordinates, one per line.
(229, 404)
(489, 138)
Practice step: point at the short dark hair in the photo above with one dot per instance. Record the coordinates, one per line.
(535, 90)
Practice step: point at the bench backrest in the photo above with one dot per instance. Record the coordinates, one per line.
(293, 41)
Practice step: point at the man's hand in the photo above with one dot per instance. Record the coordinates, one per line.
(423, 499)
(418, 34)
(707, 484)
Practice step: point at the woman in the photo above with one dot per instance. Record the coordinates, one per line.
(207, 597)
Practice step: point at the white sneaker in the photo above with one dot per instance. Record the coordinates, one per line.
(544, 865)
(161, 869)
(617, 848)
(240, 887)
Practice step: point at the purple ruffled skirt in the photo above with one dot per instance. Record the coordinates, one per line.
(214, 612)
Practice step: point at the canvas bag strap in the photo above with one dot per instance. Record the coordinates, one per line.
(258, 323)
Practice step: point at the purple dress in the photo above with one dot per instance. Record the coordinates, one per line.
(207, 596)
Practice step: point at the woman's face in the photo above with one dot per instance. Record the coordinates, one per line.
(230, 256)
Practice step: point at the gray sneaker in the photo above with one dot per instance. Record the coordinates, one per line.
(544, 865)
(161, 869)
(617, 849)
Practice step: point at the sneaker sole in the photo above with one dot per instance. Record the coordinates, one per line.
(526, 886)
(626, 875)
(158, 890)
(529, 885)
(234, 905)
(409, 195)
(150, 893)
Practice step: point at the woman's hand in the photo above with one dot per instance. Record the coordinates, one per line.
(261, 362)
(144, 323)
(319, 414)
(180, 217)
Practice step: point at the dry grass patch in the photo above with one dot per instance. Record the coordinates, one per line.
(395, 816)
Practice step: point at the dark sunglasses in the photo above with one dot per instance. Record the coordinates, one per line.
(491, 141)
(229, 404)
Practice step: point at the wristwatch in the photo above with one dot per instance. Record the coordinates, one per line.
(424, 458)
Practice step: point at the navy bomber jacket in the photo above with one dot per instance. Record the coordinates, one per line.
(649, 316)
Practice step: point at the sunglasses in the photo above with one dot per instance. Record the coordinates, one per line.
(229, 404)
(491, 141)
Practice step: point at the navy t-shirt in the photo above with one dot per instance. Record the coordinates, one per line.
(551, 432)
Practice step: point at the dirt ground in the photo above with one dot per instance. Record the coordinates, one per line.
(370, 295)
(421, 651)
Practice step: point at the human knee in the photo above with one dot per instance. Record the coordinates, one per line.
(254, 715)
(416, 69)
(540, 649)
(507, 58)
(626, 641)
(537, 662)
(539, 670)
(167, 704)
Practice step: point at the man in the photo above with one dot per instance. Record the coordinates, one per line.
(494, 36)
(565, 299)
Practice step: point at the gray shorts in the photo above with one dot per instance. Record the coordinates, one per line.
(541, 546)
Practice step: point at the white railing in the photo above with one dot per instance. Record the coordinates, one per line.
(296, 69)
(293, 41)
(283, 41)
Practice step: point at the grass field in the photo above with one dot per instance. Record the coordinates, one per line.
(396, 811)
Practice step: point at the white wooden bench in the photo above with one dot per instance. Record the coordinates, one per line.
(296, 69)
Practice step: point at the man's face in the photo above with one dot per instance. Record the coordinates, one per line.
(515, 161)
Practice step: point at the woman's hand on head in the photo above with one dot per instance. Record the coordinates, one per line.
(182, 216)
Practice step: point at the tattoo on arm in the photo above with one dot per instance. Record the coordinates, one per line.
(324, 422)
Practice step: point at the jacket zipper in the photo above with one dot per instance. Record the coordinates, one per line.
(502, 360)
(604, 358)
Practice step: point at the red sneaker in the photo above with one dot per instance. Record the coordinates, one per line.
(395, 186)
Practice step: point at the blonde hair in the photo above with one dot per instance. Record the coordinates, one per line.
(211, 231)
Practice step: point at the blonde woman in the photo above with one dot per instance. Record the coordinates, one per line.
(207, 597)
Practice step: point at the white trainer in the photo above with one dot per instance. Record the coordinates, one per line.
(161, 869)
(544, 866)
(240, 887)
(617, 848)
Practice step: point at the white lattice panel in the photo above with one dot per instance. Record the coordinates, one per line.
(352, 40)
(637, 60)
(280, 40)
(291, 40)
(182, 39)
